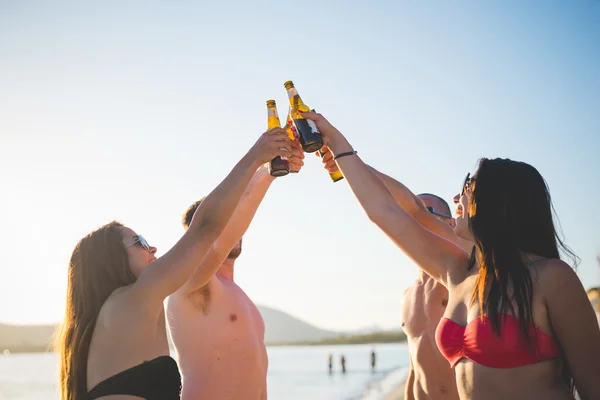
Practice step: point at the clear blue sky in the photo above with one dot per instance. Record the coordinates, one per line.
(131, 112)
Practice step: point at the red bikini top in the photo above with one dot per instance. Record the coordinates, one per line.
(479, 343)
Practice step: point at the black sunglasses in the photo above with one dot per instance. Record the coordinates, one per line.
(438, 213)
(467, 184)
(140, 241)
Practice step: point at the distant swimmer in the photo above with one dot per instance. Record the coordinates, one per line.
(373, 360)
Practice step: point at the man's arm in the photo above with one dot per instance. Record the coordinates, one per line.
(168, 273)
(235, 229)
(414, 206)
(403, 196)
(411, 204)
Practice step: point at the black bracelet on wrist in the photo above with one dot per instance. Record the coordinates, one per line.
(348, 153)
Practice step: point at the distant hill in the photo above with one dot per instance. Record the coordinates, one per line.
(280, 327)
(26, 338)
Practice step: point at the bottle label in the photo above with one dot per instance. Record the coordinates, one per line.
(313, 126)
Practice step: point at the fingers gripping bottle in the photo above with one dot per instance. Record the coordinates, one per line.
(306, 130)
(335, 176)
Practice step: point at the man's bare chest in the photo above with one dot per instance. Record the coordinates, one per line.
(227, 308)
(422, 307)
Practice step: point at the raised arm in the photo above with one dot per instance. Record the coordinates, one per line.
(410, 203)
(440, 258)
(403, 196)
(171, 271)
(413, 205)
(239, 223)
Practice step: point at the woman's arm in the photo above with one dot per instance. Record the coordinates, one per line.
(440, 258)
(410, 203)
(165, 275)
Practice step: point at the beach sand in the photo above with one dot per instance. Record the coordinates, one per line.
(398, 392)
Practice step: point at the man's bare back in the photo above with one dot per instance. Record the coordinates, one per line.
(222, 333)
(423, 306)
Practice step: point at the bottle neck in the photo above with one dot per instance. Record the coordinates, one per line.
(272, 118)
(294, 97)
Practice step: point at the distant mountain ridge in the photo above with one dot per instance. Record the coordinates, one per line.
(26, 338)
(280, 327)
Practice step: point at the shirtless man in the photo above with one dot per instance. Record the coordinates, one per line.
(430, 376)
(217, 330)
(424, 302)
(423, 305)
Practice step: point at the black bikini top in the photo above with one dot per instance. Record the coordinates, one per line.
(157, 379)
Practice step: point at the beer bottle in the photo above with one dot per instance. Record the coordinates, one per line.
(279, 166)
(306, 130)
(335, 176)
(289, 128)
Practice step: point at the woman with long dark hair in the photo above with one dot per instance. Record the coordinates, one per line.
(518, 324)
(113, 340)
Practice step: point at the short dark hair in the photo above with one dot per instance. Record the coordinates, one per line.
(445, 206)
(186, 220)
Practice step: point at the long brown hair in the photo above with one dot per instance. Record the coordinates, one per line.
(510, 214)
(99, 265)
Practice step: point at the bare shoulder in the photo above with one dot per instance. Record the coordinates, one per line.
(409, 288)
(118, 299)
(117, 307)
(555, 271)
(127, 302)
(556, 275)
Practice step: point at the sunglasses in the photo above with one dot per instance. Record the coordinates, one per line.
(467, 184)
(140, 241)
(438, 213)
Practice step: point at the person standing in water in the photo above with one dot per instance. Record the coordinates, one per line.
(373, 360)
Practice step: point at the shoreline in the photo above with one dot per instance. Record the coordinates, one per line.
(398, 392)
(390, 387)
